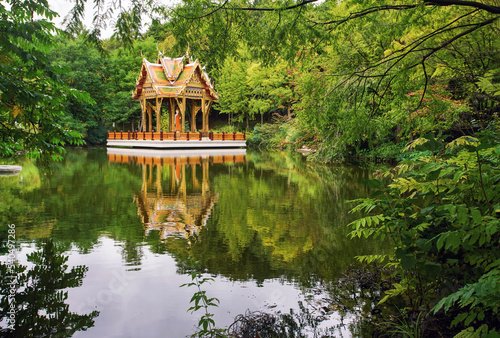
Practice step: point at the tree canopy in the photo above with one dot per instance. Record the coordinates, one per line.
(355, 74)
(346, 78)
(33, 96)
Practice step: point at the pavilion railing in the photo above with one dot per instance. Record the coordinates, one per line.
(174, 136)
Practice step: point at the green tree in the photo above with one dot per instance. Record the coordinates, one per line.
(234, 90)
(124, 67)
(249, 89)
(33, 96)
(89, 71)
(417, 74)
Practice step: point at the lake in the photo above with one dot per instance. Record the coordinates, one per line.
(107, 237)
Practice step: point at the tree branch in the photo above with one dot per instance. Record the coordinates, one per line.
(458, 36)
(204, 15)
(355, 15)
(474, 4)
(267, 9)
(364, 12)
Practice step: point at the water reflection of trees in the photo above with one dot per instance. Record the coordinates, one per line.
(176, 198)
(40, 308)
(293, 221)
(74, 202)
(274, 215)
(263, 215)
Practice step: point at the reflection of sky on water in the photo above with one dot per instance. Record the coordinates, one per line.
(128, 215)
(147, 300)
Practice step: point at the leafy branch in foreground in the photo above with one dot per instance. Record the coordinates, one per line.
(32, 94)
(200, 300)
(441, 213)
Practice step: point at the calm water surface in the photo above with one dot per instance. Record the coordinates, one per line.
(105, 238)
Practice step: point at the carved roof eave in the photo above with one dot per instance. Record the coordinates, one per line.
(209, 85)
(171, 76)
(204, 76)
(140, 82)
(145, 73)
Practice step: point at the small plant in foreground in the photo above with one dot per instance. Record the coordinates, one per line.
(206, 324)
(405, 327)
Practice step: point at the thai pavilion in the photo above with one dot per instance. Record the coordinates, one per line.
(182, 85)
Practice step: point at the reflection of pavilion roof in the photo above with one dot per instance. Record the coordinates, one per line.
(172, 78)
(171, 216)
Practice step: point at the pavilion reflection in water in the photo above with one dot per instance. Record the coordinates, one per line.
(175, 198)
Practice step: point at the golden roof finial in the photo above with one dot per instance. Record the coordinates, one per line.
(187, 51)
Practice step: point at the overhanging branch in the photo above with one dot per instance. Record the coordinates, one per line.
(474, 4)
(458, 36)
(367, 11)
(267, 9)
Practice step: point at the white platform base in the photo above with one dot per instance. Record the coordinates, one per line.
(10, 170)
(176, 144)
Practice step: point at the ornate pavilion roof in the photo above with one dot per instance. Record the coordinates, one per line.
(172, 78)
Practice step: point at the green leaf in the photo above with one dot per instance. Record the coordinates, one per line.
(462, 214)
(461, 317)
(476, 216)
(470, 318)
(408, 262)
(453, 241)
(433, 269)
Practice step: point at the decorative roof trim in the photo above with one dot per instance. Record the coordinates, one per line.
(140, 82)
(172, 70)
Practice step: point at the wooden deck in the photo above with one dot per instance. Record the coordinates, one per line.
(172, 140)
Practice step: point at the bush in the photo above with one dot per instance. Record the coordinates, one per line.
(442, 213)
(97, 135)
(227, 129)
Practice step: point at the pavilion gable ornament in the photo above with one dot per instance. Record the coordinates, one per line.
(180, 84)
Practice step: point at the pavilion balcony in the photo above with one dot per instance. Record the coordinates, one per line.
(171, 140)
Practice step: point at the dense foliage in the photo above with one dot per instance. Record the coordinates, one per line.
(364, 75)
(109, 79)
(355, 77)
(441, 212)
(344, 78)
(32, 94)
